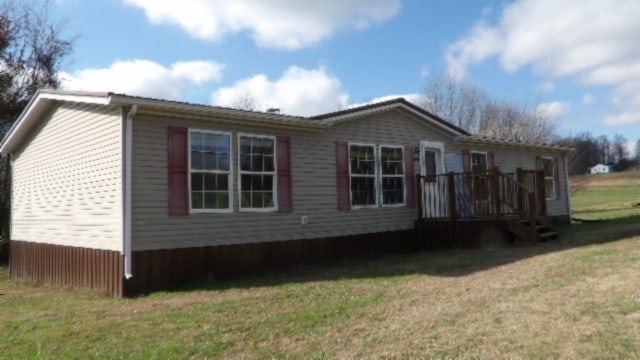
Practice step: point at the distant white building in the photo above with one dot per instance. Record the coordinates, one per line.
(600, 169)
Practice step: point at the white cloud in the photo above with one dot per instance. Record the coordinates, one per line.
(624, 118)
(587, 99)
(297, 92)
(547, 86)
(144, 78)
(284, 24)
(592, 41)
(553, 109)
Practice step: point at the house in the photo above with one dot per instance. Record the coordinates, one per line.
(124, 194)
(600, 169)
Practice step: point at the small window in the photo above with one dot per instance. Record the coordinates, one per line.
(210, 170)
(478, 162)
(430, 168)
(392, 175)
(549, 177)
(362, 175)
(257, 172)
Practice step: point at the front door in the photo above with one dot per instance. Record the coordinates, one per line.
(431, 158)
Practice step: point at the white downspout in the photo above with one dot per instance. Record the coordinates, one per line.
(128, 141)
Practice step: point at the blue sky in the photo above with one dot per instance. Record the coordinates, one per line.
(581, 59)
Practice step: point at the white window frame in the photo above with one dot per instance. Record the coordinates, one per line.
(403, 176)
(274, 174)
(377, 176)
(486, 159)
(551, 196)
(229, 173)
(374, 176)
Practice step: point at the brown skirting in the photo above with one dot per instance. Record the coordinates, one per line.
(42, 264)
(559, 220)
(459, 234)
(153, 269)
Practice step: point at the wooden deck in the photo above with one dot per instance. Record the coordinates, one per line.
(471, 209)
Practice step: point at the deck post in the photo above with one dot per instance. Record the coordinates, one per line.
(542, 193)
(420, 187)
(495, 192)
(521, 198)
(451, 195)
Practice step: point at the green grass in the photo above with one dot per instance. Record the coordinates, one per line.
(607, 196)
(576, 297)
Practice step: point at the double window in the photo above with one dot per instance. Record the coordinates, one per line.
(211, 178)
(376, 175)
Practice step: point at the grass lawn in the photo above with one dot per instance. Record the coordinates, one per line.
(578, 297)
(607, 196)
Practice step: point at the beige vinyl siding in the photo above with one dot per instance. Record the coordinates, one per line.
(67, 187)
(314, 192)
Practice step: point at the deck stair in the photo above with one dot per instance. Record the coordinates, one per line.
(524, 233)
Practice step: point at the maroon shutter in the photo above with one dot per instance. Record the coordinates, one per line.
(284, 173)
(539, 165)
(410, 177)
(178, 170)
(466, 160)
(342, 173)
(556, 177)
(491, 163)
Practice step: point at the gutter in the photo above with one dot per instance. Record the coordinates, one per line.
(128, 141)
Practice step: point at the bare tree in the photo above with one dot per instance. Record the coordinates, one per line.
(620, 147)
(604, 149)
(245, 101)
(469, 107)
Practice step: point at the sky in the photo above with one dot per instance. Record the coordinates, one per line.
(580, 59)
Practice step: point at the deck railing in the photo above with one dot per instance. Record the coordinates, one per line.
(487, 194)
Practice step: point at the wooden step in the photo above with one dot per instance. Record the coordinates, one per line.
(528, 234)
(547, 235)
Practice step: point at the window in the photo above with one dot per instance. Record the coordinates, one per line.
(210, 171)
(478, 162)
(392, 175)
(429, 165)
(549, 177)
(363, 175)
(257, 172)
(480, 180)
(376, 177)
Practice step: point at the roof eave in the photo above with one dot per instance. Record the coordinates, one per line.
(472, 140)
(162, 107)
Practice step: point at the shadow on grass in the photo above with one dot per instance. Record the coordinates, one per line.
(446, 263)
